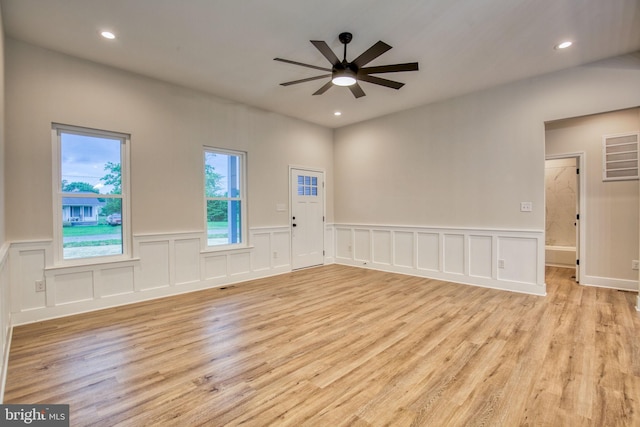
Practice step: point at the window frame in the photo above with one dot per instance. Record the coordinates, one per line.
(57, 129)
(244, 227)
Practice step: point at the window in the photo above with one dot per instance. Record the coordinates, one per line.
(224, 187)
(620, 157)
(307, 185)
(90, 193)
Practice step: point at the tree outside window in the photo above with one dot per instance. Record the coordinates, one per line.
(90, 196)
(224, 195)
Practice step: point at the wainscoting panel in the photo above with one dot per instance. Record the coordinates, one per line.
(403, 248)
(481, 256)
(362, 245)
(344, 243)
(153, 270)
(30, 266)
(73, 287)
(329, 244)
(114, 281)
(428, 251)
(239, 263)
(521, 259)
(468, 256)
(382, 247)
(280, 242)
(454, 253)
(187, 261)
(215, 267)
(162, 265)
(261, 256)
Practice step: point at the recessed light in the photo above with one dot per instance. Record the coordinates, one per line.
(337, 113)
(563, 45)
(108, 35)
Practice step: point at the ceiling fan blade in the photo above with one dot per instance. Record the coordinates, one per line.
(325, 50)
(301, 64)
(356, 90)
(324, 88)
(305, 80)
(372, 53)
(380, 81)
(410, 66)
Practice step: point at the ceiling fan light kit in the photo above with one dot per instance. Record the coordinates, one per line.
(343, 77)
(344, 73)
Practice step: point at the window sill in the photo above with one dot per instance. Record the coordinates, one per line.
(90, 263)
(227, 249)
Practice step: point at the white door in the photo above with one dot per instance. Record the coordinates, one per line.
(307, 218)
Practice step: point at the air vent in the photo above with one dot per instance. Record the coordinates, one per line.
(620, 157)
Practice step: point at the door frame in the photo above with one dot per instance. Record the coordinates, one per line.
(324, 210)
(581, 164)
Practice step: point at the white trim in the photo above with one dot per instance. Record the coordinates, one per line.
(448, 228)
(461, 255)
(5, 360)
(243, 199)
(324, 207)
(164, 265)
(56, 146)
(610, 283)
(6, 328)
(4, 254)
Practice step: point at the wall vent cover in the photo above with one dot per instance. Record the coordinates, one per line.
(620, 156)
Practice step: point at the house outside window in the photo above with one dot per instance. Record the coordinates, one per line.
(90, 194)
(225, 195)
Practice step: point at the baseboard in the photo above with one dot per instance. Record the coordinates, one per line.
(610, 283)
(482, 282)
(63, 310)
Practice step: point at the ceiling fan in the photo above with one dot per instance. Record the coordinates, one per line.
(345, 73)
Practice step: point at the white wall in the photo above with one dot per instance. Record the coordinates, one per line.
(611, 216)
(468, 162)
(168, 126)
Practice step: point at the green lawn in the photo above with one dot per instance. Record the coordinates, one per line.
(90, 230)
(214, 229)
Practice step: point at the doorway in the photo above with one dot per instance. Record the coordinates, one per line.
(564, 201)
(307, 217)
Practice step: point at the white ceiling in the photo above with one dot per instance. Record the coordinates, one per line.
(226, 47)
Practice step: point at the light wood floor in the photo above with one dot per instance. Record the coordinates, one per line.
(337, 345)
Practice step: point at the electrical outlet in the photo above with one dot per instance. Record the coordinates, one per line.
(275, 254)
(500, 263)
(349, 248)
(635, 264)
(526, 207)
(40, 286)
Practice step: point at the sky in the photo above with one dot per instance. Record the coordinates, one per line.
(84, 158)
